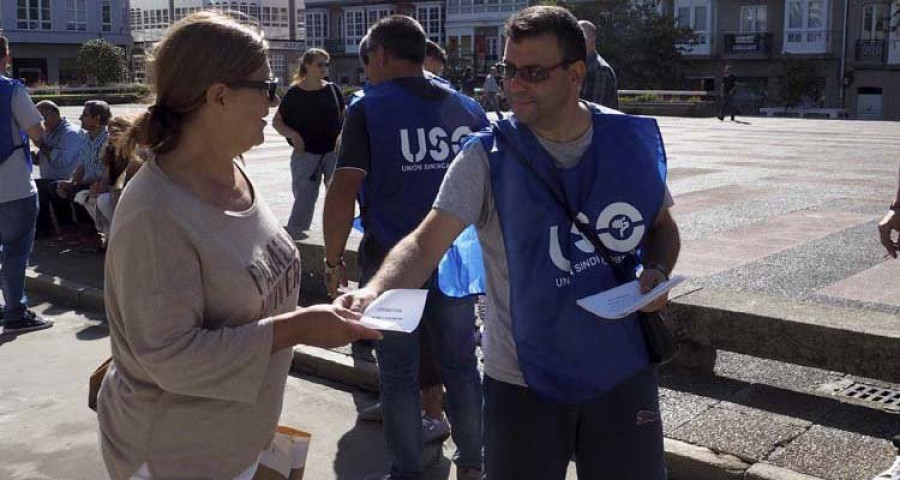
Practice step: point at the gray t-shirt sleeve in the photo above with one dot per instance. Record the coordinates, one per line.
(25, 114)
(465, 191)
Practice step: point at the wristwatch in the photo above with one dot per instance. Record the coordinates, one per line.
(330, 269)
(659, 268)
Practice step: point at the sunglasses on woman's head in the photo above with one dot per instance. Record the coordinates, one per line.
(270, 86)
(529, 73)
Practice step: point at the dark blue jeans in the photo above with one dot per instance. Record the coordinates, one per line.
(616, 436)
(17, 221)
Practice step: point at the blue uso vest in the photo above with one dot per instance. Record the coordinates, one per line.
(566, 354)
(7, 145)
(412, 141)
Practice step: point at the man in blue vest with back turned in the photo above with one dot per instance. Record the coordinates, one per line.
(19, 121)
(554, 191)
(398, 140)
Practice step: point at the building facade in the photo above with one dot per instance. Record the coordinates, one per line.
(857, 53)
(45, 35)
(470, 30)
(282, 22)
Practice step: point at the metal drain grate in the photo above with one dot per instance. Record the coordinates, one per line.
(887, 398)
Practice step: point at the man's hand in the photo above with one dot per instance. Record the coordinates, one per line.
(330, 326)
(98, 187)
(299, 143)
(886, 228)
(650, 278)
(335, 278)
(64, 188)
(356, 301)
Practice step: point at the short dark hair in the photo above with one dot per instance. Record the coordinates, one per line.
(433, 50)
(401, 37)
(98, 108)
(4, 46)
(557, 21)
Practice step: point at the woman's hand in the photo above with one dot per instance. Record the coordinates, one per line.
(325, 326)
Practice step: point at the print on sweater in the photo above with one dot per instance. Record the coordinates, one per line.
(276, 272)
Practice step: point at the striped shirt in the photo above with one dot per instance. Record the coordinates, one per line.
(600, 84)
(91, 150)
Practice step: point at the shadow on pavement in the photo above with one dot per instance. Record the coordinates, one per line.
(93, 332)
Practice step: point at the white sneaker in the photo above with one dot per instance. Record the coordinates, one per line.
(435, 429)
(892, 473)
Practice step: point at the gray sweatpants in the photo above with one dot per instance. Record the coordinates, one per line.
(308, 170)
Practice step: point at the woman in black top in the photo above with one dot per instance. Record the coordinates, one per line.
(309, 117)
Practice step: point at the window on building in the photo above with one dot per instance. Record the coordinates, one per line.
(76, 15)
(33, 14)
(276, 63)
(316, 28)
(876, 21)
(355, 26)
(754, 19)
(105, 16)
(377, 13)
(694, 14)
(136, 19)
(806, 29)
(301, 24)
(432, 19)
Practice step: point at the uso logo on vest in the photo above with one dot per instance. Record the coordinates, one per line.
(439, 146)
(620, 227)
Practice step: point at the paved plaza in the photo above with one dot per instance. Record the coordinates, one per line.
(784, 207)
(776, 212)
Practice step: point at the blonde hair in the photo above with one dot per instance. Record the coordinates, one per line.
(308, 58)
(201, 50)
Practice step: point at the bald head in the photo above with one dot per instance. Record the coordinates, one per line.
(590, 35)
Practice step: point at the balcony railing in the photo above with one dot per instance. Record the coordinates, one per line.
(871, 52)
(747, 45)
(806, 41)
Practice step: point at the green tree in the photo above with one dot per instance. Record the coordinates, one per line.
(102, 61)
(801, 80)
(641, 44)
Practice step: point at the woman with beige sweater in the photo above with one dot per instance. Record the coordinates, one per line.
(201, 280)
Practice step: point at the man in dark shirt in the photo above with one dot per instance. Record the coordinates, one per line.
(397, 142)
(600, 85)
(729, 88)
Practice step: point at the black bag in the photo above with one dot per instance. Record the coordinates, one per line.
(661, 345)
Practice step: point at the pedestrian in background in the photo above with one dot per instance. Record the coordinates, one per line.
(19, 122)
(468, 82)
(435, 59)
(600, 85)
(729, 88)
(310, 119)
(58, 157)
(491, 91)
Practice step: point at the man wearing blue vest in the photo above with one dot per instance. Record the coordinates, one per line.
(559, 381)
(19, 121)
(398, 141)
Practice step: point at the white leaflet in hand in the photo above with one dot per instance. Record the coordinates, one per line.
(625, 299)
(399, 310)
